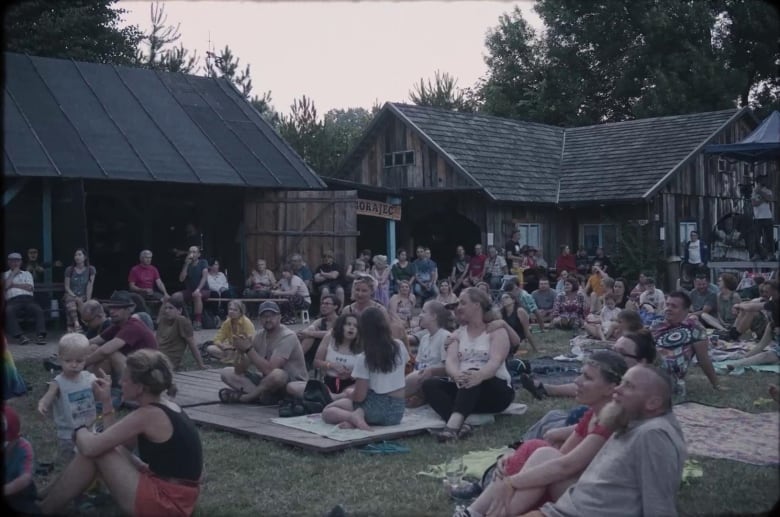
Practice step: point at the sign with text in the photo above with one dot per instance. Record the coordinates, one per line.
(378, 209)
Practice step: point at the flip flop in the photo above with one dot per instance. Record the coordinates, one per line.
(384, 448)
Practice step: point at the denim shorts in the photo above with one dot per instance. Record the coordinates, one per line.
(382, 409)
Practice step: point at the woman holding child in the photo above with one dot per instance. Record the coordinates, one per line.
(537, 472)
(478, 379)
(164, 479)
(378, 393)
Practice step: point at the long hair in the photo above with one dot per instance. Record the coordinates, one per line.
(338, 332)
(439, 311)
(153, 370)
(377, 342)
(86, 257)
(482, 298)
(645, 346)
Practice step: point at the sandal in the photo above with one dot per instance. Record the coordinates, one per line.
(528, 383)
(445, 434)
(230, 396)
(465, 431)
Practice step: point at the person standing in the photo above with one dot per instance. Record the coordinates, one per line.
(761, 199)
(696, 255)
(18, 288)
(194, 274)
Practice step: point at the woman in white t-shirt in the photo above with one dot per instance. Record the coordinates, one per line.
(478, 379)
(429, 361)
(337, 354)
(378, 393)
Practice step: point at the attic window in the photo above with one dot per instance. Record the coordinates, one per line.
(399, 159)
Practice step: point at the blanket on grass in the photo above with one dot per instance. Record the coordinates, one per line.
(414, 419)
(730, 434)
(720, 367)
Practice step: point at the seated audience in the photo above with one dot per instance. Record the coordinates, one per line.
(79, 282)
(727, 298)
(565, 261)
(144, 277)
(18, 288)
(460, 268)
(484, 287)
(357, 268)
(235, 326)
(478, 381)
(329, 277)
(260, 281)
(525, 301)
(217, 282)
(679, 337)
(750, 321)
(513, 251)
(175, 334)
(537, 472)
(293, 289)
(336, 356)
(19, 492)
(194, 275)
(639, 470)
(266, 365)
(544, 297)
(652, 300)
(363, 294)
(401, 271)
(311, 336)
(562, 276)
(446, 296)
(517, 323)
(380, 271)
(378, 393)
(425, 276)
(582, 261)
(639, 288)
(703, 301)
(570, 307)
(402, 303)
(126, 334)
(429, 361)
(301, 270)
(620, 291)
(495, 268)
(142, 312)
(771, 334)
(604, 326)
(476, 269)
(94, 318)
(627, 321)
(164, 479)
(594, 288)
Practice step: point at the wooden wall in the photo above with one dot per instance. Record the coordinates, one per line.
(278, 224)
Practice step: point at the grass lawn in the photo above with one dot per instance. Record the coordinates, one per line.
(253, 477)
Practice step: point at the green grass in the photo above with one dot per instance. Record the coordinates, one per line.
(247, 476)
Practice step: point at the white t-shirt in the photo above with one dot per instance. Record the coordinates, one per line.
(75, 403)
(217, 282)
(21, 277)
(430, 353)
(334, 356)
(475, 353)
(763, 210)
(694, 252)
(381, 382)
(297, 285)
(656, 299)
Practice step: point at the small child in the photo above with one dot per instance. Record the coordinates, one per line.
(380, 380)
(609, 316)
(71, 393)
(381, 274)
(18, 486)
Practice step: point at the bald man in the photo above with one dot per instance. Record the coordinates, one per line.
(638, 470)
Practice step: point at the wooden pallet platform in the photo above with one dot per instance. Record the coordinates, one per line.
(197, 387)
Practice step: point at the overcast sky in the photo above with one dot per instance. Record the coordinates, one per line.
(341, 54)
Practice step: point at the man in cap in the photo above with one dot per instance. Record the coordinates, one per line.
(126, 335)
(639, 468)
(267, 364)
(18, 288)
(144, 277)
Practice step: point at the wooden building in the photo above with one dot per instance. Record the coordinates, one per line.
(117, 159)
(465, 178)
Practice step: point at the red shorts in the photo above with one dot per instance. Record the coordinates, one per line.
(517, 462)
(156, 496)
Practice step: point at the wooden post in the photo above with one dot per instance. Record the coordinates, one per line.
(47, 229)
(391, 231)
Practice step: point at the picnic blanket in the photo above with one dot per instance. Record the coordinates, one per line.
(720, 367)
(475, 463)
(730, 434)
(414, 419)
(552, 371)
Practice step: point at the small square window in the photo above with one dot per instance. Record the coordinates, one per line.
(388, 159)
(398, 158)
(409, 158)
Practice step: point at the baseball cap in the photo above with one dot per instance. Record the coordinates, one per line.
(269, 306)
(14, 256)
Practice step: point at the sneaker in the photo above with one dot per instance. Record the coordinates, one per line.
(41, 339)
(24, 340)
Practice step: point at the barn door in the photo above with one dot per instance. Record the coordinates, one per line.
(279, 224)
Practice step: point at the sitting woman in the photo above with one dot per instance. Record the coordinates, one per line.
(363, 296)
(619, 289)
(79, 281)
(517, 323)
(604, 326)
(537, 472)
(429, 361)
(260, 282)
(218, 283)
(446, 297)
(562, 276)
(378, 393)
(336, 357)
(380, 271)
(164, 479)
(570, 307)
(727, 299)
(476, 365)
(293, 288)
(175, 333)
(402, 303)
(236, 326)
(484, 287)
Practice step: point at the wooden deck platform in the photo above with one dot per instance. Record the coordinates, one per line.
(197, 388)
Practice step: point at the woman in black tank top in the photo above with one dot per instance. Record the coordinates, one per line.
(165, 477)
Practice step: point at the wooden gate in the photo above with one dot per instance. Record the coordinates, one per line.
(279, 224)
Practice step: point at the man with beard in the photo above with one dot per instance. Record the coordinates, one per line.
(638, 470)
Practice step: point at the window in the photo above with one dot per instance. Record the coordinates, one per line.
(399, 159)
(600, 236)
(530, 234)
(686, 227)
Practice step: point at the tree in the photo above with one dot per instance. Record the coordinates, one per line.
(303, 131)
(84, 30)
(160, 55)
(341, 130)
(442, 93)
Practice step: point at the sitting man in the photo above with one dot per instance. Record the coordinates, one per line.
(144, 277)
(329, 278)
(267, 364)
(425, 276)
(311, 336)
(301, 270)
(194, 274)
(109, 350)
(651, 300)
(495, 268)
(18, 287)
(639, 469)
(703, 300)
(294, 289)
(679, 337)
(545, 299)
(525, 302)
(94, 318)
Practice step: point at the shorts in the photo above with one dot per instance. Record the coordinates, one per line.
(156, 496)
(382, 409)
(255, 378)
(187, 294)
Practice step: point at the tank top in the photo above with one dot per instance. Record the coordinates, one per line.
(475, 353)
(79, 280)
(334, 356)
(181, 456)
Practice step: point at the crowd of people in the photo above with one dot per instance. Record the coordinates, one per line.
(388, 337)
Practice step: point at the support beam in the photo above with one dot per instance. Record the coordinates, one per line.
(10, 193)
(391, 231)
(48, 253)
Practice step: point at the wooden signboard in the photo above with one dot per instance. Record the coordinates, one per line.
(378, 209)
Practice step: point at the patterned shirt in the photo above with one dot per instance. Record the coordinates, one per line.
(674, 344)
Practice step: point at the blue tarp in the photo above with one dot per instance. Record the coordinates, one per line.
(760, 145)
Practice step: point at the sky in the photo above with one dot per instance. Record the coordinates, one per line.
(340, 54)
